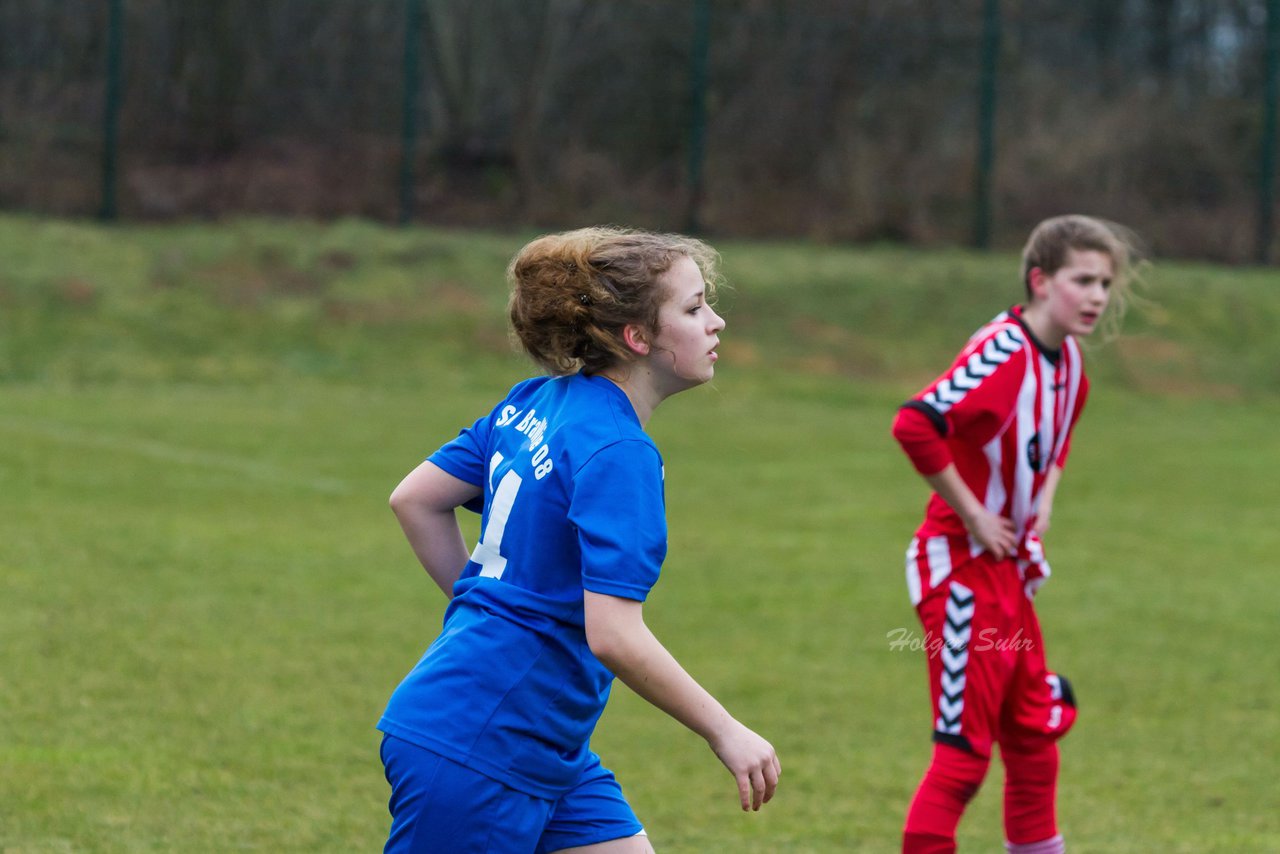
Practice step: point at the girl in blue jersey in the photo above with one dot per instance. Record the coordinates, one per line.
(486, 740)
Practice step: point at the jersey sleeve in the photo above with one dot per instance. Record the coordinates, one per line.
(921, 439)
(618, 508)
(974, 398)
(465, 456)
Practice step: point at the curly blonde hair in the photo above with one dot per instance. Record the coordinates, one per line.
(573, 293)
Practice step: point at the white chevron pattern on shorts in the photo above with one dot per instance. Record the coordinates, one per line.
(952, 685)
(954, 662)
(956, 633)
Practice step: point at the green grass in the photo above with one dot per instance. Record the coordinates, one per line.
(204, 601)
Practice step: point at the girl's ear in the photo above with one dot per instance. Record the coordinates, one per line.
(1036, 281)
(636, 339)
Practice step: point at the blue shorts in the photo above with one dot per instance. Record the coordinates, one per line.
(438, 805)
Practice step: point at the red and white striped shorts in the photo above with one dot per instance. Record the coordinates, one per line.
(988, 680)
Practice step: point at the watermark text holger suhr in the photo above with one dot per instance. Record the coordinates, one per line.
(986, 640)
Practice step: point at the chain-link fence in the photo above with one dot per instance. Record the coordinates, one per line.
(834, 119)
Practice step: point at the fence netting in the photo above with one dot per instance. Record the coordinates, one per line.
(832, 119)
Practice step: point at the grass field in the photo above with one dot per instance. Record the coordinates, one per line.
(204, 601)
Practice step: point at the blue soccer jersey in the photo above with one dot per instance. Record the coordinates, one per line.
(573, 500)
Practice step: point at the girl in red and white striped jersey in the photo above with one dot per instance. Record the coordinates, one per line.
(991, 436)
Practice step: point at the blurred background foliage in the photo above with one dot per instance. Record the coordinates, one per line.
(841, 120)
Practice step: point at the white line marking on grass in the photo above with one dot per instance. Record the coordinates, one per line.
(174, 454)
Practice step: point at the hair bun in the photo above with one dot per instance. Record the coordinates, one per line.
(568, 314)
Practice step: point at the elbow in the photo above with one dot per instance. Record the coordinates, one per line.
(899, 434)
(906, 426)
(396, 501)
(400, 501)
(896, 428)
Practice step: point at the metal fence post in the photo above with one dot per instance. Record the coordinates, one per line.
(986, 123)
(409, 127)
(111, 109)
(698, 110)
(1267, 183)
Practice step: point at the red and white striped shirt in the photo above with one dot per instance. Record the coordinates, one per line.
(1003, 413)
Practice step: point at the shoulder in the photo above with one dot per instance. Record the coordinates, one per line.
(1072, 359)
(994, 355)
(635, 455)
(998, 340)
(1077, 376)
(606, 408)
(1071, 347)
(526, 388)
(597, 418)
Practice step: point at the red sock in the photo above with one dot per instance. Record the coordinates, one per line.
(1030, 791)
(952, 780)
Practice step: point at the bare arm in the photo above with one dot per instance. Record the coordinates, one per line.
(921, 439)
(1047, 492)
(618, 636)
(424, 504)
(992, 531)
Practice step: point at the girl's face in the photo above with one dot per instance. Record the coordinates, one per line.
(1071, 300)
(683, 353)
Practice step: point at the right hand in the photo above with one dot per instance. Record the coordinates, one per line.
(752, 761)
(993, 532)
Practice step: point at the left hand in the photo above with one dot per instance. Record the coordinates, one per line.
(752, 762)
